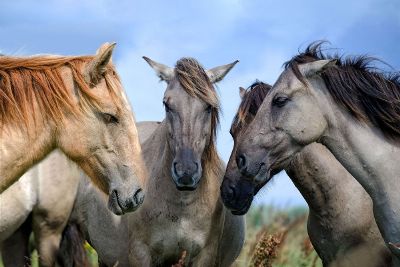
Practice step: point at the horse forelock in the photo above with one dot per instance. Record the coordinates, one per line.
(195, 81)
(251, 102)
(366, 92)
(29, 81)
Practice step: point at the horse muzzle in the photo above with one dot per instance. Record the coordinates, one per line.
(237, 197)
(120, 205)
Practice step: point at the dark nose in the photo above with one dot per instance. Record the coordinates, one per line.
(185, 171)
(135, 201)
(241, 162)
(227, 191)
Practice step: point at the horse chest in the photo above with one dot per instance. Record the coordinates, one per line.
(178, 235)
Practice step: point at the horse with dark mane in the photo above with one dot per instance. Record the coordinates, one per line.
(340, 220)
(346, 104)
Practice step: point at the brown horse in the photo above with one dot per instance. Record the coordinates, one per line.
(76, 104)
(340, 219)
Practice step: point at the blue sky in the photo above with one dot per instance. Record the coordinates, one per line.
(262, 34)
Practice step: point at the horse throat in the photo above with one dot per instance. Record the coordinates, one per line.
(26, 149)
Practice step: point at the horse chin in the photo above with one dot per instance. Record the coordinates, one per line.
(114, 206)
(181, 187)
(244, 208)
(186, 188)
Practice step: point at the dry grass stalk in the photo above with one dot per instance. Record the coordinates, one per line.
(266, 249)
(307, 247)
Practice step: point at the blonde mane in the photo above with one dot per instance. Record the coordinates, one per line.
(29, 81)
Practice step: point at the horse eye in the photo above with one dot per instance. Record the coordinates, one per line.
(209, 108)
(280, 101)
(108, 118)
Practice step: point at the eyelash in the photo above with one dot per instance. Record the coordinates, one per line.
(280, 101)
(109, 118)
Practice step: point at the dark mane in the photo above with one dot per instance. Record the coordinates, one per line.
(357, 85)
(194, 80)
(251, 102)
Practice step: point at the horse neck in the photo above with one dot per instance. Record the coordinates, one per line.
(323, 182)
(364, 152)
(160, 178)
(370, 158)
(20, 149)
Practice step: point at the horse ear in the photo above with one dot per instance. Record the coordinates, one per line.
(164, 72)
(242, 92)
(218, 73)
(316, 67)
(97, 67)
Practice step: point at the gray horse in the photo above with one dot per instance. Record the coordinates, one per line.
(184, 211)
(347, 105)
(340, 218)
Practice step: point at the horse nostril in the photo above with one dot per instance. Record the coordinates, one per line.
(241, 161)
(196, 166)
(139, 196)
(230, 192)
(174, 168)
(114, 195)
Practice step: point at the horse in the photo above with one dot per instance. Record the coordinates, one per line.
(49, 102)
(345, 104)
(182, 210)
(33, 208)
(32, 203)
(340, 211)
(38, 191)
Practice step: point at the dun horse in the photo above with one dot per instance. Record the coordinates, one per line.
(49, 102)
(48, 190)
(348, 106)
(37, 194)
(340, 218)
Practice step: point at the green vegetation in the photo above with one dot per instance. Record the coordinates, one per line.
(278, 238)
(274, 238)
